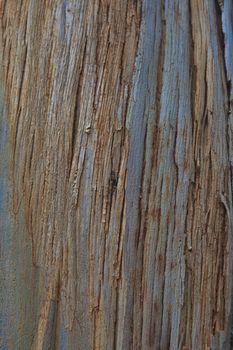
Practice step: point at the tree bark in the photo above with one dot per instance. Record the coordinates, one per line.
(116, 174)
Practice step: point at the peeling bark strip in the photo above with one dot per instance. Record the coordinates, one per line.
(116, 174)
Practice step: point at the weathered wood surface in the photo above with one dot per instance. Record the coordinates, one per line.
(116, 174)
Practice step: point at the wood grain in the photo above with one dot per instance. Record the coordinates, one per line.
(116, 174)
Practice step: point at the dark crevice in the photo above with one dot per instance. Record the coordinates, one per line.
(77, 106)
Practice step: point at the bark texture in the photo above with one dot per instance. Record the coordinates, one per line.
(116, 174)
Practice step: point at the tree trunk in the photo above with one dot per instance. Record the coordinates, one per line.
(116, 164)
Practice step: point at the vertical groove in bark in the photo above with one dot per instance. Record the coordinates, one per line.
(120, 163)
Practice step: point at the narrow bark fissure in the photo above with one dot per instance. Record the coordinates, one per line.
(77, 108)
